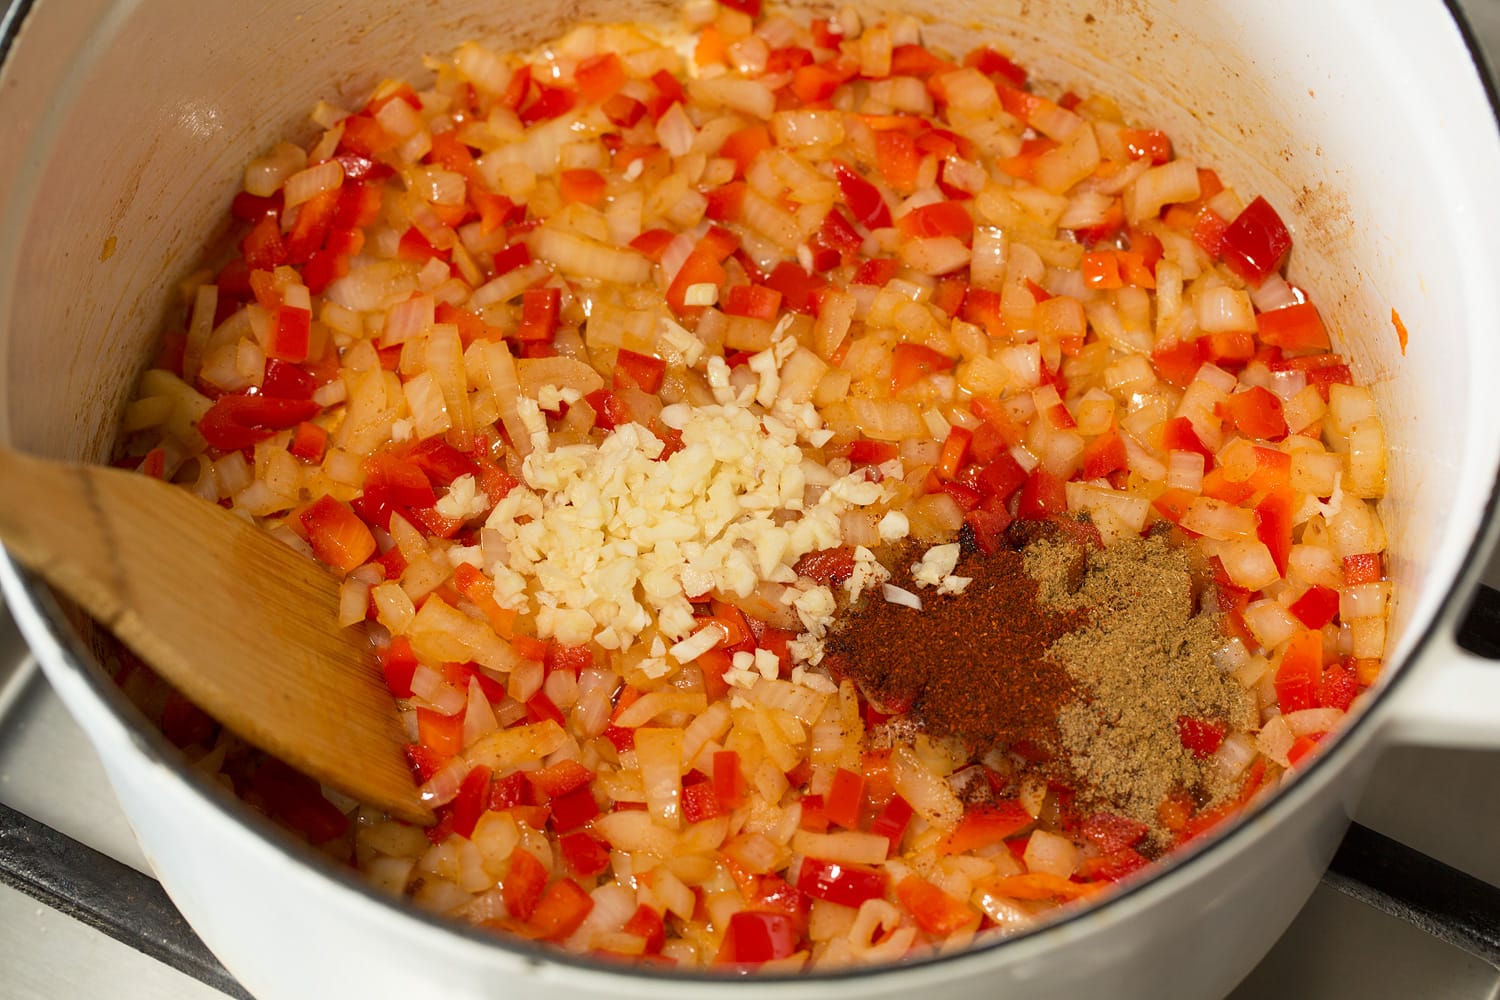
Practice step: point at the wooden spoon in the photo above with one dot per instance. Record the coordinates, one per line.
(244, 626)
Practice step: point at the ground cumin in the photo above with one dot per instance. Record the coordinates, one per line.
(972, 666)
(1143, 660)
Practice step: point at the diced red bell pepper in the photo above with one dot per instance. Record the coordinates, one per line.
(1300, 673)
(561, 910)
(646, 923)
(910, 363)
(866, 452)
(238, 421)
(548, 103)
(814, 814)
(1042, 495)
(559, 779)
(582, 186)
(754, 301)
(992, 64)
(1104, 454)
(988, 528)
(309, 441)
(953, 453)
(754, 937)
(745, 145)
(941, 218)
(729, 783)
(844, 798)
(540, 708)
(700, 801)
(1257, 412)
(936, 912)
(398, 663)
(511, 791)
(700, 268)
(539, 308)
(1296, 329)
(1256, 242)
(892, 820)
(338, 537)
(584, 856)
(610, 411)
(987, 824)
(572, 810)
(1273, 516)
(523, 884)
(1302, 747)
(799, 288)
(442, 734)
(863, 198)
(849, 885)
(472, 800)
(1001, 477)
(643, 371)
(829, 567)
(1110, 832)
(1365, 567)
(1317, 606)
(1178, 435)
(599, 77)
(1152, 144)
(1177, 363)
(1113, 866)
(1199, 735)
(1339, 686)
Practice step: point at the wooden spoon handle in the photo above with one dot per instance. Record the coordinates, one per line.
(241, 624)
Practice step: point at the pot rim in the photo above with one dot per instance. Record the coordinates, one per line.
(153, 746)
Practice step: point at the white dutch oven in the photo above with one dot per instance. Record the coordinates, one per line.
(1367, 124)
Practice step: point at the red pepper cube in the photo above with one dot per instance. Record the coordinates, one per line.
(934, 910)
(1317, 606)
(643, 371)
(561, 910)
(753, 938)
(559, 779)
(1300, 672)
(986, 825)
(845, 796)
(584, 856)
(539, 308)
(910, 363)
(863, 198)
(754, 301)
(700, 801)
(574, 809)
(524, 884)
(1199, 735)
(849, 885)
(892, 821)
(472, 800)
(647, 924)
(338, 537)
(399, 664)
(729, 783)
(1256, 242)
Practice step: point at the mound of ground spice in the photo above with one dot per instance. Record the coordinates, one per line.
(1141, 663)
(972, 666)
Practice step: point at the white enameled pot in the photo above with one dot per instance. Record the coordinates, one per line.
(123, 128)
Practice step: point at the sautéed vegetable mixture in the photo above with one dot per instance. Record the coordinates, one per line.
(815, 499)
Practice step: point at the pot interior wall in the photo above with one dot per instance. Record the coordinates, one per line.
(132, 161)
